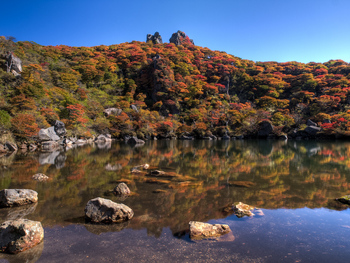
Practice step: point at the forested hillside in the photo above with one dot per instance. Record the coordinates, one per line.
(166, 90)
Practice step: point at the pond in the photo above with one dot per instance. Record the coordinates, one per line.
(294, 184)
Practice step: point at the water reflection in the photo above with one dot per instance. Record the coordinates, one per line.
(56, 158)
(31, 255)
(15, 213)
(209, 175)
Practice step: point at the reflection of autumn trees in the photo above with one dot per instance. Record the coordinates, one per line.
(204, 176)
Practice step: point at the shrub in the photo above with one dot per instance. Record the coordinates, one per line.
(5, 120)
(24, 125)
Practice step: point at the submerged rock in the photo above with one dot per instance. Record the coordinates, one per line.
(17, 197)
(137, 169)
(246, 184)
(100, 210)
(122, 189)
(158, 191)
(199, 230)
(19, 235)
(156, 181)
(157, 173)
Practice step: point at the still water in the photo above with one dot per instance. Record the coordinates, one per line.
(294, 183)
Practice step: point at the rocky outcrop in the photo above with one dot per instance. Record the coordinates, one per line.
(310, 123)
(104, 138)
(17, 197)
(265, 128)
(186, 136)
(134, 107)
(40, 177)
(344, 199)
(19, 235)
(60, 128)
(112, 111)
(14, 64)
(53, 133)
(312, 130)
(134, 140)
(156, 38)
(199, 230)
(48, 134)
(122, 189)
(226, 136)
(180, 38)
(100, 210)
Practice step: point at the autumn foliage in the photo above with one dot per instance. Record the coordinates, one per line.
(166, 89)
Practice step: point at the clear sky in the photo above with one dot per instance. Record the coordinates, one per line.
(259, 30)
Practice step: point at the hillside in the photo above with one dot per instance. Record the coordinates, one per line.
(166, 89)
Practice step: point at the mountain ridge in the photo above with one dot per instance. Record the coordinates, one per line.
(165, 90)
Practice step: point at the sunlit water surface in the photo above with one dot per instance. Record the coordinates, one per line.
(294, 183)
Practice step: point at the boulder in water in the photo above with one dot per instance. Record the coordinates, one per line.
(100, 210)
(199, 230)
(19, 235)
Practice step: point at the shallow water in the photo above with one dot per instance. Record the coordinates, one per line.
(294, 183)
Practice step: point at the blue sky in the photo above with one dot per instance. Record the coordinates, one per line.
(259, 30)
